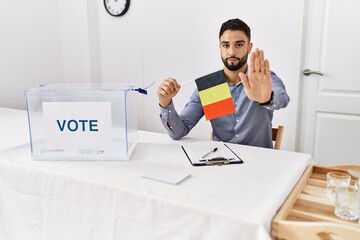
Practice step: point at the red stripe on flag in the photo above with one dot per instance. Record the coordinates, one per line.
(219, 109)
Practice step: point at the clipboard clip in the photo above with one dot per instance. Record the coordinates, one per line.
(217, 162)
(215, 159)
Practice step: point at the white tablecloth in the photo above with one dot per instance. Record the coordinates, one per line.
(91, 200)
(14, 129)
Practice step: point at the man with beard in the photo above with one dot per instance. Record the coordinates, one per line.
(255, 90)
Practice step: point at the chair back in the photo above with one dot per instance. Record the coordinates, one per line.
(277, 134)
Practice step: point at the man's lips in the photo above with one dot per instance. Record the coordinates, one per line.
(233, 59)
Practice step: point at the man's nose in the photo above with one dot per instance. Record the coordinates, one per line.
(231, 51)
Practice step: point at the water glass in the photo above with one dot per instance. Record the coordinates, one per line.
(347, 204)
(336, 181)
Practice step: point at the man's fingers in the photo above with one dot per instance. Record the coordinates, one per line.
(244, 80)
(262, 62)
(258, 80)
(267, 67)
(170, 86)
(167, 90)
(251, 63)
(175, 84)
(257, 61)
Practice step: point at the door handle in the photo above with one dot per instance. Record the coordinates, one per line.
(308, 72)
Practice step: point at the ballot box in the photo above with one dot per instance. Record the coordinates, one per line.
(82, 121)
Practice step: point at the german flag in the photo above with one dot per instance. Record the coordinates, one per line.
(215, 96)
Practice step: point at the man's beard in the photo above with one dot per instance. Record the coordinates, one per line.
(235, 67)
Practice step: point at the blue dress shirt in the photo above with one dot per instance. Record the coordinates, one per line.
(249, 125)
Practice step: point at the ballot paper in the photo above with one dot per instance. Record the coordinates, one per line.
(165, 175)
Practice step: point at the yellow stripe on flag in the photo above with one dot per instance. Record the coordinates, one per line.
(215, 94)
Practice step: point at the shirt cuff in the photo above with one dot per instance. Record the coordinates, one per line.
(273, 105)
(166, 111)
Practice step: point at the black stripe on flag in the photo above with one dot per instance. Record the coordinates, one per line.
(210, 80)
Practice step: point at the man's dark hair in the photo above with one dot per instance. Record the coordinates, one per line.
(235, 24)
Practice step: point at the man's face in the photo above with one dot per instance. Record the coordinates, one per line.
(234, 48)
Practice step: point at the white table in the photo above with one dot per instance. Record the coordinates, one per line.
(14, 129)
(45, 200)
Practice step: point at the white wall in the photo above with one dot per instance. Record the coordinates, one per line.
(30, 48)
(75, 27)
(77, 41)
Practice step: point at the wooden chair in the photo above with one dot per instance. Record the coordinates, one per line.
(277, 134)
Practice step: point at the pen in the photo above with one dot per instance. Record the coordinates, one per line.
(214, 150)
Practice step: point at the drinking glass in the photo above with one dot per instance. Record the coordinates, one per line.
(347, 204)
(336, 181)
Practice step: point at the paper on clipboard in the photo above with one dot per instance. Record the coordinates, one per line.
(204, 154)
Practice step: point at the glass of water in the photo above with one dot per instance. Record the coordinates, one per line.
(336, 181)
(347, 204)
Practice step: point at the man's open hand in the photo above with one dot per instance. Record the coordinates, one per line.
(258, 83)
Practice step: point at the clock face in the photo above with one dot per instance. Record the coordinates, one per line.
(116, 8)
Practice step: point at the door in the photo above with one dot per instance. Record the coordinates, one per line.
(330, 116)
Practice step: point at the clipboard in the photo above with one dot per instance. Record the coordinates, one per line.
(211, 155)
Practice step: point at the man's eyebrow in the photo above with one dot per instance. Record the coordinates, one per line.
(238, 41)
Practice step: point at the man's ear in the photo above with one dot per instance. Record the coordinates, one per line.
(250, 47)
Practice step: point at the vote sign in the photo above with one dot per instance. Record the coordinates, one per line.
(77, 125)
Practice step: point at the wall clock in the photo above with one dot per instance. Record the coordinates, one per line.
(117, 8)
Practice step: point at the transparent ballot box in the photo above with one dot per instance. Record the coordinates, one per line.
(82, 121)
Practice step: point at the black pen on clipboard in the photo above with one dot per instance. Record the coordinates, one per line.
(212, 151)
